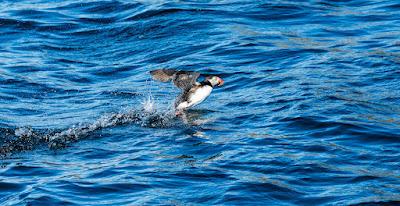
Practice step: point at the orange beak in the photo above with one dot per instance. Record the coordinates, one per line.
(220, 82)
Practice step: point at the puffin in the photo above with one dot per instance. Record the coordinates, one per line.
(193, 92)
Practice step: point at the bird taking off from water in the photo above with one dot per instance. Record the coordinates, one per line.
(193, 92)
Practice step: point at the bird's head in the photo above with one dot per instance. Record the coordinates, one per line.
(215, 81)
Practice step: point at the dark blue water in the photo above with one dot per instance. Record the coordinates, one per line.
(309, 113)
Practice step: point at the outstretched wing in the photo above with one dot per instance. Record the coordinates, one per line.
(181, 79)
(163, 75)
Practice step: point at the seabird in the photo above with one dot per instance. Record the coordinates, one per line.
(193, 92)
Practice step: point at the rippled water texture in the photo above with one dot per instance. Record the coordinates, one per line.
(309, 113)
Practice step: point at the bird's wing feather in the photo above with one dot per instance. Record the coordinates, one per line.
(185, 80)
(163, 75)
(182, 79)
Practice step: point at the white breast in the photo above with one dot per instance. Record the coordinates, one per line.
(197, 97)
(200, 95)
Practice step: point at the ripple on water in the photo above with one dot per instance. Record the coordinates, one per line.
(308, 113)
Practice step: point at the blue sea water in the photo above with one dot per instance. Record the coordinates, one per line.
(309, 113)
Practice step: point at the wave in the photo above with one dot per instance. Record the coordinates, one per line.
(27, 138)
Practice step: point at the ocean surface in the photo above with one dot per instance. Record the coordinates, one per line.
(309, 113)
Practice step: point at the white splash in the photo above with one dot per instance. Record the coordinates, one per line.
(148, 104)
(147, 116)
(23, 131)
